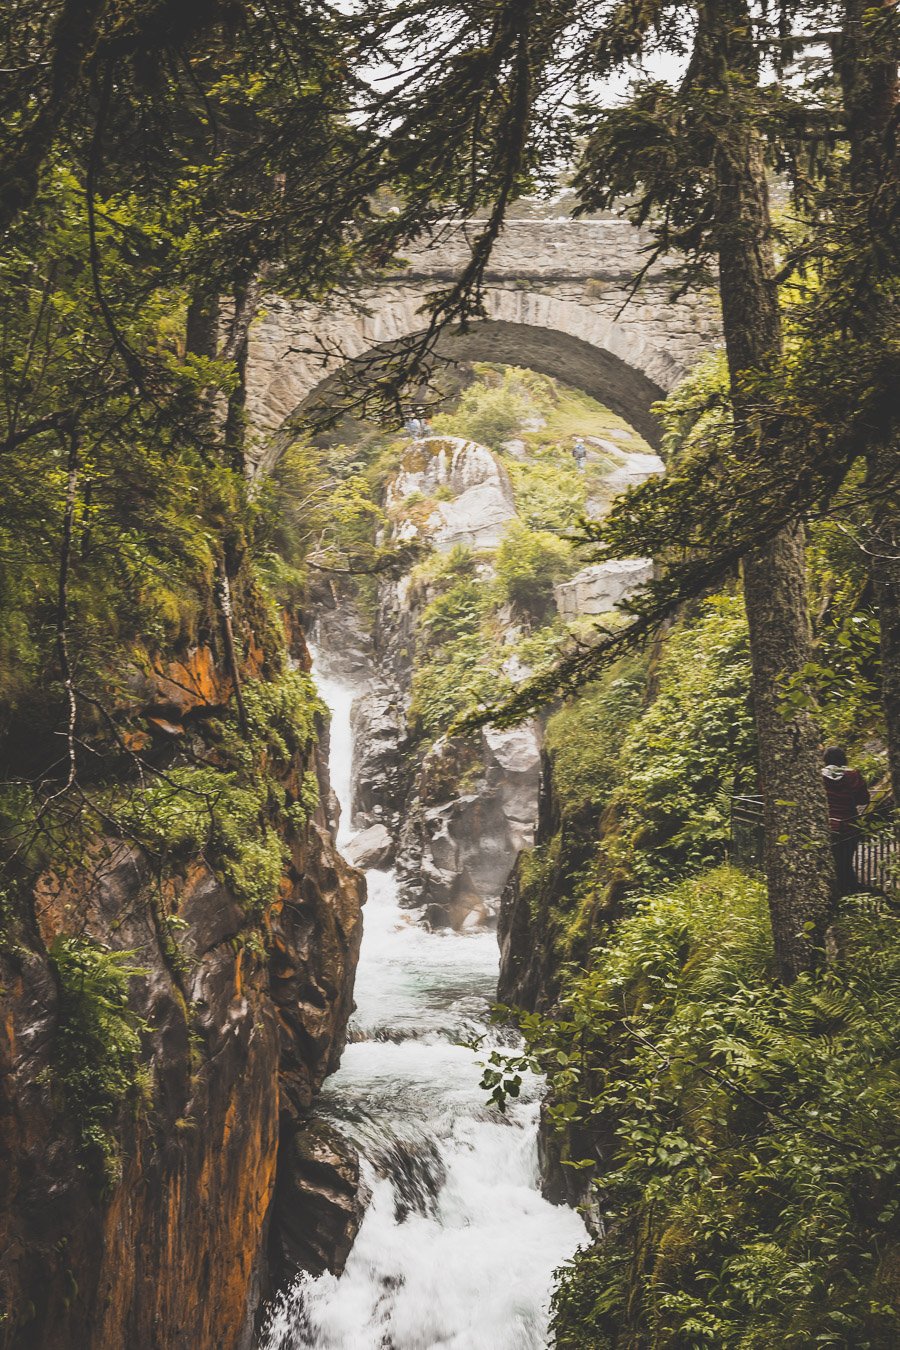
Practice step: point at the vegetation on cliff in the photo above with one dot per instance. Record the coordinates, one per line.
(97, 1055)
(746, 1133)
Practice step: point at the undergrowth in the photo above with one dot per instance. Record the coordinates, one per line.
(231, 812)
(97, 1070)
(747, 1135)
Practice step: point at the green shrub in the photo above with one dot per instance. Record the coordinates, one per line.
(529, 564)
(456, 612)
(97, 1049)
(682, 755)
(230, 814)
(747, 1134)
(585, 739)
(496, 405)
(461, 673)
(550, 493)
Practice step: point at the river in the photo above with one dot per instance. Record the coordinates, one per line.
(458, 1247)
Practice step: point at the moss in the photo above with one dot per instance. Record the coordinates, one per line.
(230, 813)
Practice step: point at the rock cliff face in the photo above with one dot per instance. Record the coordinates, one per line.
(599, 588)
(453, 817)
(239, 1037)
(471, 810)
(481, 504)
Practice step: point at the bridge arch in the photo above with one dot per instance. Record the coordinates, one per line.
(543, 311)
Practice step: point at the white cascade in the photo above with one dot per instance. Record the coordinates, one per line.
(457, 1248)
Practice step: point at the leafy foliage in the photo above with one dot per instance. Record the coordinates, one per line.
(490, 411)
(229, 814)
(529, 563)
(747, 1132)
(684, 753)
(585, 740)
(97, 1048)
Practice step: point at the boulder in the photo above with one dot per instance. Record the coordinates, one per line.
(476, 519)
(635, 470)
(516, 749)
(320, 1201)
(379, 770)
(598, 589)
(373, 847)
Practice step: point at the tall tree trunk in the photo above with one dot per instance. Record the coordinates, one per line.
(799, 867)
(202, 336)
(870, 91)
(70, 45)
(202, 339)
(884, 544)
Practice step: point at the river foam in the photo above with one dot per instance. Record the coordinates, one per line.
(458, 1247)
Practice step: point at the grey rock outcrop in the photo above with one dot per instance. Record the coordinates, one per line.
(474, 809)
(482, 503)
(380, 772)
(370, 848)
(598, 589)
(635, 470)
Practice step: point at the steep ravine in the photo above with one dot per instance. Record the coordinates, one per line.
(238, 1040)
(457, 1247)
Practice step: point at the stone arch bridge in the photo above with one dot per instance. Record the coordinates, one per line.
(554, 298)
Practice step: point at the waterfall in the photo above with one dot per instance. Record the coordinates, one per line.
(339, 699)
(458, 1247)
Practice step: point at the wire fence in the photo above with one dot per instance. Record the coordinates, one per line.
(876, 860)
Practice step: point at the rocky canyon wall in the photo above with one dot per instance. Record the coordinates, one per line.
(241, 1024)
(450, 816)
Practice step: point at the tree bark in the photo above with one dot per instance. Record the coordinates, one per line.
(799, 867)
(884, 546)
(202, 336)
(71, 44)
(870, 90)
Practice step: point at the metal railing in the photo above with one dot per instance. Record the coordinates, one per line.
(876, 860)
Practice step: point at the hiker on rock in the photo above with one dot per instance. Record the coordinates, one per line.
(846, 791)
(579, 454)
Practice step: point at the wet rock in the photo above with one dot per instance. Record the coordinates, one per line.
(343, 645)
(320, 1201)
(373, 847)
(457, 846)
(237, 1042)
(417, 1172)
(380, 773)
(313, 949)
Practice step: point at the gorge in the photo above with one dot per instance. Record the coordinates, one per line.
(457, 1246)
(449, 552)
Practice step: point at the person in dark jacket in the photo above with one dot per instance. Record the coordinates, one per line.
(846, 791)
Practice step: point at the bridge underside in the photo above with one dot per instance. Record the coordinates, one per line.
(597, 372)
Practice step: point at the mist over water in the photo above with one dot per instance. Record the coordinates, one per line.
(458, 1247)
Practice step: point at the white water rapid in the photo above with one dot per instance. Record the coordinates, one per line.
(458, 1247)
